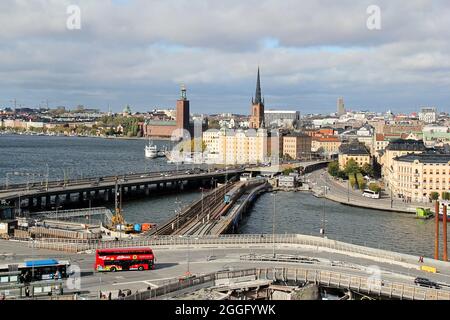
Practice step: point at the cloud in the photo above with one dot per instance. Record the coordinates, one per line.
(138, 52)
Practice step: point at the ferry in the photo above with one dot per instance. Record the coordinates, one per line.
(151, 151)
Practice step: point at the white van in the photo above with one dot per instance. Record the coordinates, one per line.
(371, 194)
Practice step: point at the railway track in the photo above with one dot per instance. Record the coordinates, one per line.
(213, 198)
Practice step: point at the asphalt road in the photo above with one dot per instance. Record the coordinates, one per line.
(173, 263)
(339, 191)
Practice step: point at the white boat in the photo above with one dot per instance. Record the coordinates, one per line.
(151, 151)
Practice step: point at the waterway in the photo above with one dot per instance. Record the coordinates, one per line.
(294, 212)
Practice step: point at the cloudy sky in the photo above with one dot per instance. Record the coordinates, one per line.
(310, 53)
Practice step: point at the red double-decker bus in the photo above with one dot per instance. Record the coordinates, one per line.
(124, 259)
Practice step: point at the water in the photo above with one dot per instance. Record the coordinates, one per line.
(303, 213)
(294, 212)
(74, 157)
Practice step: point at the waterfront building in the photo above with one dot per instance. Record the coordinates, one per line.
(257, 114)
(395, 149)
(416, 176)
(356, 151)
(165, 128)
(290, 181)
(282, 119)
(428, 115)
(230, 147)
(297, 146)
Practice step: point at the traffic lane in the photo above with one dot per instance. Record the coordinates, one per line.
(173, 264)
(343, 193)
(101, 185)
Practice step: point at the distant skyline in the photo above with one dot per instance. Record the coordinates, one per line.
(310, 53)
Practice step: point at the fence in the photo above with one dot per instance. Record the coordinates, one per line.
(223, 240)
(363, 285)
(188, 283)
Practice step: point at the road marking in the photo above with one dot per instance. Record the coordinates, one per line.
(144, 281)
(151, 284)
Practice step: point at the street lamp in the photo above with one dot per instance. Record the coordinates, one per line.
(273, 224)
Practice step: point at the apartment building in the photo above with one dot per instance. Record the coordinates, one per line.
(228, 146)
(326, 145)
(356, 151)
(416, 176)
(395, 149)
(297, 146)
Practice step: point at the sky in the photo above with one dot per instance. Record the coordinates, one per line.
(139, 52)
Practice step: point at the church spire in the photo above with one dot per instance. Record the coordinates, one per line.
(258, 98)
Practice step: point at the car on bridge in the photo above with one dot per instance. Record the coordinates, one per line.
(424, 282)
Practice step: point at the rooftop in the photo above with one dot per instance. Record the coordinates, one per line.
(406, 145)
(353, 149)
(426, 157)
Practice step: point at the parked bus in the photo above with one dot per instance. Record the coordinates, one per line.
(37, 270)
(124, 259)
(371, 194)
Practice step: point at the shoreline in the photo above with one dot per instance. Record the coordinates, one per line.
(92, 137)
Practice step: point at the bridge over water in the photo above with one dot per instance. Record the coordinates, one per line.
(60, 194)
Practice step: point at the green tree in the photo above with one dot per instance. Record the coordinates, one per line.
(361, 181)
(333, 168)
(434, 196)
(445, 195)
(351, 167)
(375, 187)
(352, 180)
(367, 169)
(288, 171)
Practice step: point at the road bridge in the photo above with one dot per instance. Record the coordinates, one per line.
(102, 189)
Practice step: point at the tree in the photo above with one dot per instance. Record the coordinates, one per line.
(368, 170)
(351, 167)
(375, 187)
(434, 196)
(333, 168)
(288, 171)
(352, 180)
(361, 181)
(445, 195)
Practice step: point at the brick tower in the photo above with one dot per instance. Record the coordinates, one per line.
(257, 115)
(183, 110)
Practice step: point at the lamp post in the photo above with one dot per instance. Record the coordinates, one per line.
(273, 224)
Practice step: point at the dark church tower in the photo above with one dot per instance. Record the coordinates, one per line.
(257, 117)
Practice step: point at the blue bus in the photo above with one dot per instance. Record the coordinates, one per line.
(38, 270)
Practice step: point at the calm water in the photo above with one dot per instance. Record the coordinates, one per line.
(303, 213)
(294, 212)
(74, 157)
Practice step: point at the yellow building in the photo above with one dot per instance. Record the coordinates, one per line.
(297, 146)
(416, 176)
(231, 147)
(327, 145)
(356, 151)
(395, 149)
